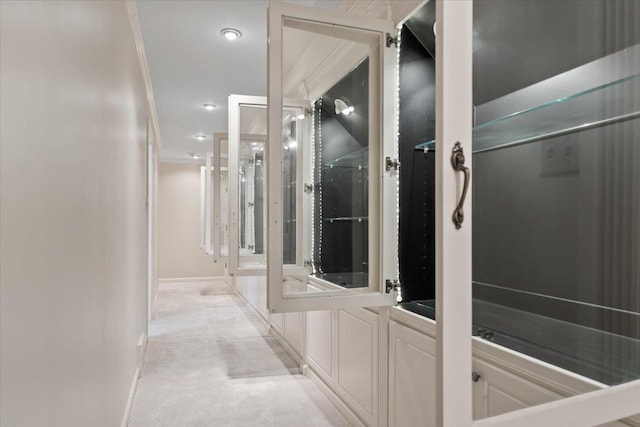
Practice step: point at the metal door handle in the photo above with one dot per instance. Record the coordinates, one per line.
(457, 161)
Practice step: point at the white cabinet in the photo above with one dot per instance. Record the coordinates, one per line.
(289, 330)
(412, 377)
(320, 343)
(498, 391)
(507, 381)
(357, 373)
(342, 351)
(253, 290)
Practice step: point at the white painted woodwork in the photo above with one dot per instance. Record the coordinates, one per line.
(277, 322)
(412, 375)
(501, 391)
(202, 207)
(294, 330)
(453, 246)
(208, 203)
(253, 290)
(508, 380)
(382, 134)
(320, 347)
(357, 370)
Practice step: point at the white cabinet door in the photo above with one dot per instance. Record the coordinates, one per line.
(320, 343)
(349, 251)
(412, 377)
(498, 391)
(208, 203)
(248, 184)
(357, 373)
(521, 244)
(220, 191)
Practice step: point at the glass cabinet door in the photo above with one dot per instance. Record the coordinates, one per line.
(344, 69)
(220, 239)
(247, 181)
(208, 204)
(542, 256)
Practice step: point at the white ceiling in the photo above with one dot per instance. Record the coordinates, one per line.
(192, 64)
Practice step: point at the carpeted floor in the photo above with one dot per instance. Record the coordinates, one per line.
(211, 362)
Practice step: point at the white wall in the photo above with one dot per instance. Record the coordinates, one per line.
(179, 253)
(73, 269)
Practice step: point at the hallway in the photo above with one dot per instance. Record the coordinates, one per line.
(210, 361)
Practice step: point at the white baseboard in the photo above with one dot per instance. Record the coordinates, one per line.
(190, 279)
(142, 348)
(346, 412)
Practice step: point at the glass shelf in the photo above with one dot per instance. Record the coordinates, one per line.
(355, 160)
(602, 356)
(346, 280)
(347, 218)
(607, 103)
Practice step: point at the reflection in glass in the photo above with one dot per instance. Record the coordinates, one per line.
(341, 181)
(290, 134)
(251, 190)
(327, 69)
(223, 172)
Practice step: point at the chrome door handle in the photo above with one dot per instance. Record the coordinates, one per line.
(457, 161)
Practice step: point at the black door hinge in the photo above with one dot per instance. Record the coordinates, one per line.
(391, 285)
(391, 40)
(391, 164)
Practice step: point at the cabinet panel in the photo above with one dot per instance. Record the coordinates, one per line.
(293, 330)
(357, 360)
(498, 402)
(253, 289)
(320, 340)
(412, 375)
(505, 392)
(277, 321)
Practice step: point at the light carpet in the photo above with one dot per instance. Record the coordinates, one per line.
(210, 361)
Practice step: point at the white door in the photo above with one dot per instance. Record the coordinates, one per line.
(248, 184)
(556, 204)
(220, 229)
(344, 68)
(208, 203)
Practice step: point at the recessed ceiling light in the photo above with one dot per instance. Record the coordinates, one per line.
(201, 137)
(194, 155)
(209, 107)
(231, 33)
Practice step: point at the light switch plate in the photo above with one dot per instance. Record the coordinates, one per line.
(560, 156)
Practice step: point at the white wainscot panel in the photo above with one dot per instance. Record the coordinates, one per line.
(500, 391)
(254, 290)
(320, 343)
(277, 321)
(293, 328)
(412, 377)
(357, 379)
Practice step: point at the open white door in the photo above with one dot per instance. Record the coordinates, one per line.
(220, 231)
(344, 68)
(247, 185)
(208, 204)
(555, 221)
